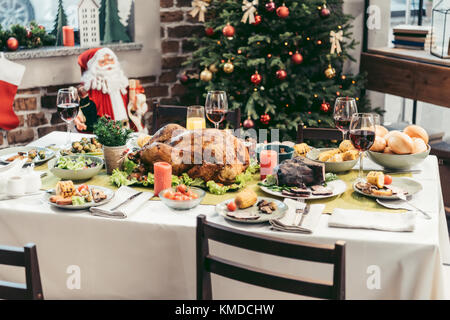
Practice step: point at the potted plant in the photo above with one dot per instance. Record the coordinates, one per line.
(113, 136)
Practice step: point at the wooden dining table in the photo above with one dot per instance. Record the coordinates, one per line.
(151, 253)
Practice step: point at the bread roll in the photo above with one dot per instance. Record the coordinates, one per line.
(350, 155)
(336, 158)
(419, 145)
(346, 145)
(380, 131)
(400, 143)
(388, 150)
(376, 178)
(379, 144)
(415, 131)
(390, 133)
(246, 199)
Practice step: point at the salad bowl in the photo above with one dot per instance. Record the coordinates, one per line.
(82, 167)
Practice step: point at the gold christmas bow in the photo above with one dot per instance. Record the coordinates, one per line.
(249, 11)
(200, 9)
(335, 37)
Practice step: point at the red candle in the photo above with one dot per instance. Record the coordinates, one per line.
(68, 36)
(268, 160)
(163, 176)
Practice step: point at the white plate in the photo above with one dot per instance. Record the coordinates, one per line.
(410, 186)
(222, 210)
(9, 152)
(109, 195)
(336, 186)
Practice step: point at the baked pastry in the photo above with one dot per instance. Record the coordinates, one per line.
(415, 131)
(300, 150)
(350, 155)
(376, 178)
(346, 145)
(326, 155)
(419, 145)
(65, 189)
(380, 131)
(336, 158)
(246, 199)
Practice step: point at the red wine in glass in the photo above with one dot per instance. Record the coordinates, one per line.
(216, 115)
(342, 123)
(68, 111)
(362, 139)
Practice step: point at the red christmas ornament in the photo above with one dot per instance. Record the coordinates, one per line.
(281, 74)
(325, 107)
(12, 44)
(29, 34)
(248, 124)
(228, 31)
(209, 31)
(184, 78)
(297, 58)
(41, 27)
(265, 119)
(258, 20)
(256, 78)
(324, 12)
(283, 12)
(270, 6)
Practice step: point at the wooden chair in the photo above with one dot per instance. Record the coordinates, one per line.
(317, 134)
(22, 257)
(163, 115)
(207, 263)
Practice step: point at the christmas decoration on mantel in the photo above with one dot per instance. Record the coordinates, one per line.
(283, 73)
(60, 22)
(26, 37)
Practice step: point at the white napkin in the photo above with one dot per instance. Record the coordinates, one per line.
(124, 210)
(291, 220)
(385, 221)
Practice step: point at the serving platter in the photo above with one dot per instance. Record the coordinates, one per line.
(9, 152)
(337, 187)
(222, 210)
(410, 186)
(108, 192)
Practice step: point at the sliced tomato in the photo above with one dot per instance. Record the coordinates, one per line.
(182, 188)
(387, 179)
(168, 195)
(231, 206)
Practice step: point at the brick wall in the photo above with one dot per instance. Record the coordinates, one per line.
(36, 108)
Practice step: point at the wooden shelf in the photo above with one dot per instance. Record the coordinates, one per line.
(414, 55)
(408, 75)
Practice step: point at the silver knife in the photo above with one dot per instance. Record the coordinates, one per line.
(126, 200)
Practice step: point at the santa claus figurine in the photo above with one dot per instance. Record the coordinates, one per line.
(104, 91)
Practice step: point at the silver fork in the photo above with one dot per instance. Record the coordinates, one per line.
(406, 199)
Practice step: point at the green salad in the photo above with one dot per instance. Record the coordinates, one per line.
(78, 163)
(125, 178)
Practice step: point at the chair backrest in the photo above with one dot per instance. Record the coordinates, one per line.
(22, 257)
(207, 263)
(317, 134)
(163, 115)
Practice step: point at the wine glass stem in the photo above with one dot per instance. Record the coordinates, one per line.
(361, 175)
(68, 141)
(216, 125)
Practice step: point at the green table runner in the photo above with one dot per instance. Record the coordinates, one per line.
(348, 200)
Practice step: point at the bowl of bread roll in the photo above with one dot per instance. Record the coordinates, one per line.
(400, 149)
(339, 159)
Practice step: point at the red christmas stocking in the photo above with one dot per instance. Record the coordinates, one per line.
(10, 76)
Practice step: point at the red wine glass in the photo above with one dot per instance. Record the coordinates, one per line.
(344, 108)
(362, 135)
(216, 107)
(67, 103)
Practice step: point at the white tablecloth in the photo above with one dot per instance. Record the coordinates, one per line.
(151, 255)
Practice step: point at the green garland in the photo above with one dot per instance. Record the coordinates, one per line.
(29, 37)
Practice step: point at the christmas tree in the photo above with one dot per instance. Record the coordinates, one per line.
(60, 22)
(280, 62)
(114, 30)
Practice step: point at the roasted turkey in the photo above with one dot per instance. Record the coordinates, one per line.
(209, 154)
